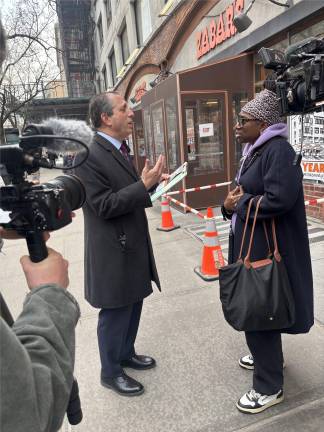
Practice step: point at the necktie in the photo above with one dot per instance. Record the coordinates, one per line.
(124, 151)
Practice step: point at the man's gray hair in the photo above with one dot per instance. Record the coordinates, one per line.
(99, 104)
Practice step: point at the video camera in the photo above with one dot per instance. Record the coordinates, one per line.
(35, 208)
(43, 207)
(299, 74)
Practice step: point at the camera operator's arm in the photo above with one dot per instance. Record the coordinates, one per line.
(37, 354)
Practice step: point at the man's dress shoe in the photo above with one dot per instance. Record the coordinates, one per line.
(139, 362)
(124, 385)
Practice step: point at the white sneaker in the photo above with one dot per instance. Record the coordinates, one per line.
(247, 362)
(253, 402)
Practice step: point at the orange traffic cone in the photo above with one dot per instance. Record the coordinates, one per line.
(212, 251)
(167, 221)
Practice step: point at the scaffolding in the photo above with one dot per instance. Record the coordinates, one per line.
(76, 30)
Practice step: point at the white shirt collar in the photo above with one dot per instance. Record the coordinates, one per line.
(113, 141)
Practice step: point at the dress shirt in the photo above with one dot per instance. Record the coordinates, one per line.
(113, 141)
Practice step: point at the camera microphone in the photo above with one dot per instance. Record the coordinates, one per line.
(70, 129)
(51, 133)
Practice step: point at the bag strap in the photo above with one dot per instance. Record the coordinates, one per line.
(247, 261)
(276, 254)
(245, 227)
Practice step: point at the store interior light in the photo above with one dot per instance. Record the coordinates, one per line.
(242, 21)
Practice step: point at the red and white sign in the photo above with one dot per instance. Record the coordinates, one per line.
(219, 29)
(206, 130)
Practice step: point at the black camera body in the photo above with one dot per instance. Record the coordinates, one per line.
(299, 73)
(41, 207)
(35, 208)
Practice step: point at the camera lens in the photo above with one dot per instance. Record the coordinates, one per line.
(74, 190)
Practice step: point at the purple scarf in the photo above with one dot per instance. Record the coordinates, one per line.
(278, 129)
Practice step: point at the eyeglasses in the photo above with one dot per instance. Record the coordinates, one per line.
(242, 120)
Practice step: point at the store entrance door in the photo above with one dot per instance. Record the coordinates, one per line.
(206, 145)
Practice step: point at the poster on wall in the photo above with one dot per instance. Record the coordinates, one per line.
(313, 170)
(307, 136)
(206, 130)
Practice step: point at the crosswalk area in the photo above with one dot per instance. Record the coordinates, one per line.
(315, 232)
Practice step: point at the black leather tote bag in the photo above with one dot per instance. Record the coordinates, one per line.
(257, 296)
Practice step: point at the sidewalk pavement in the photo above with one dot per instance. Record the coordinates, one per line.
(197, 380)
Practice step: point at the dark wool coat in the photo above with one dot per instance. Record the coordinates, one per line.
(119, 261)
(273, 175)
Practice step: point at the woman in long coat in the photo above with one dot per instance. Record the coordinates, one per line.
(268, 169)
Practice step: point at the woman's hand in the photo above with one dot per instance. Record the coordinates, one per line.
(232, 199)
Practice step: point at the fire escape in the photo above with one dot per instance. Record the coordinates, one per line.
(76, 29)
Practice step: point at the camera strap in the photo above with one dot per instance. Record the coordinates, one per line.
(5, 312)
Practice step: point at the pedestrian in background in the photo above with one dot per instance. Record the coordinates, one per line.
(119, 261)
(268, 170)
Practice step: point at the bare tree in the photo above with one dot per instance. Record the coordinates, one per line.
(30, 69)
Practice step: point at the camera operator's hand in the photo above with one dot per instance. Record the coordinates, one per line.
(52, 270)
(152, 176)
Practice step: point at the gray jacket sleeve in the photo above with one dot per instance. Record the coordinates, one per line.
(37, 360)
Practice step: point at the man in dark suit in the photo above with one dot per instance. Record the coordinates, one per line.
(119, 261)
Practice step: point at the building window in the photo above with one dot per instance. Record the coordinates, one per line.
(104, 75)
(113, 67)
(124, 44)
(100, 32)
(108, 11)
(143, 20)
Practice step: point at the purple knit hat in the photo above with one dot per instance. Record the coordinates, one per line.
(265, 107)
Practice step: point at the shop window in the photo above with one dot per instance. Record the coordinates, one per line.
(172, 133)
(158, 130)
(124, 44)
(205, 135)
(113, 67)
(148, 135)
(139, 132)
(100, 31)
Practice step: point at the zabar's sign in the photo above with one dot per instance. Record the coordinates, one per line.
(313, 170)
(139, 91)
(218, 30)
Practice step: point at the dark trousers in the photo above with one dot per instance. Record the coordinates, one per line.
(266, 349)
(117, 330)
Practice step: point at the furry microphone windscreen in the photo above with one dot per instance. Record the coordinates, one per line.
(71, 129)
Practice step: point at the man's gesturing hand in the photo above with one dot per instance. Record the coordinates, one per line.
(152, 176)
(52, 270)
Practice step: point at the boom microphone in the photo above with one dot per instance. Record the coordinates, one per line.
(71, 129)
(51, 133)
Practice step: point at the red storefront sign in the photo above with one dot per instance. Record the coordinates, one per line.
(219, 29)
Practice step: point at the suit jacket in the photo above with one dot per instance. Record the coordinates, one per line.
(119, 261)
(274, 176)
